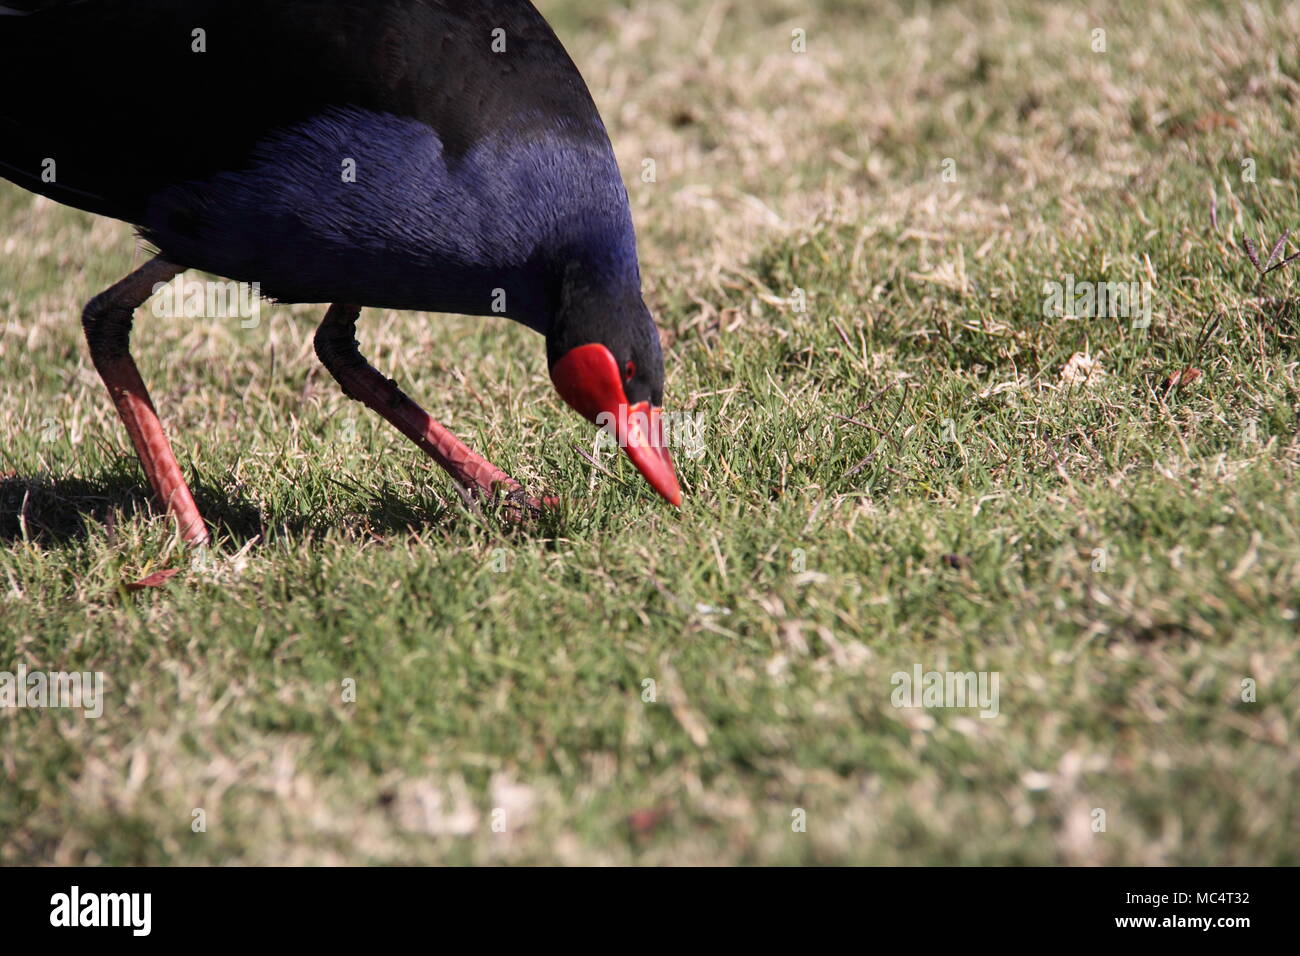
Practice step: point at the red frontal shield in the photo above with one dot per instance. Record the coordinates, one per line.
(588, 379)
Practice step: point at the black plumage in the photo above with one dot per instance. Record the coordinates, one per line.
(416, 154)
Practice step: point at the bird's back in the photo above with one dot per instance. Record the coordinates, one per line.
(164, 113)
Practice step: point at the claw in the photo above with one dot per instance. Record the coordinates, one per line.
(519, 506)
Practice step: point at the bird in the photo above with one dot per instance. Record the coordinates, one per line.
(426, 155)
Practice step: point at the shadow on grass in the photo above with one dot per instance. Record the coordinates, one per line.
(1280, 320)
(61, 510)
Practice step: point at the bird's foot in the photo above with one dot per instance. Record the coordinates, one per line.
(519, 506)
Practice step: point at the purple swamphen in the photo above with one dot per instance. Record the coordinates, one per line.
(433, 155)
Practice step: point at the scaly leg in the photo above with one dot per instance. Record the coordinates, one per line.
(107, 322)
(336, 346)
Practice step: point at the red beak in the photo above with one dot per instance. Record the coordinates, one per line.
(588, 379)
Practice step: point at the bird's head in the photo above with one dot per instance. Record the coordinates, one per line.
(606, 362)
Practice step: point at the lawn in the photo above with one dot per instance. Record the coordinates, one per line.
(907, 462)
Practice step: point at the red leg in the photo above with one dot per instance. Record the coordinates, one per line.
(336, 346)
(107, 321)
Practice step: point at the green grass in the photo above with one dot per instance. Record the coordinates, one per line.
(900, 475)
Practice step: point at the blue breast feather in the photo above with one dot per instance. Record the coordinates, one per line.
(413, 231)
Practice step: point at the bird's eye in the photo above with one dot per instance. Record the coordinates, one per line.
(629, 370)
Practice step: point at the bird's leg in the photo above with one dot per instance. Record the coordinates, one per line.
(107, 322)
(336, 346)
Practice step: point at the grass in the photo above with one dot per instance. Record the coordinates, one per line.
(912, 471)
